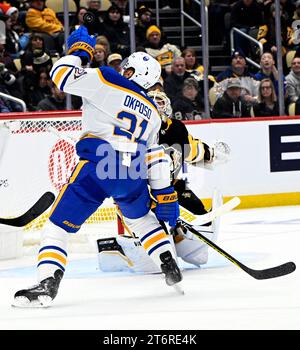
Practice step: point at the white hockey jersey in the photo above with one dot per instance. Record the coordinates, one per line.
(114, 108)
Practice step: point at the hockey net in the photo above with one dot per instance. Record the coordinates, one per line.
(37, 154)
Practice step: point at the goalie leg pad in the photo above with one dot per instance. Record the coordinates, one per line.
(124, 254)
(192, 251)
(111, 256)
(152, 236)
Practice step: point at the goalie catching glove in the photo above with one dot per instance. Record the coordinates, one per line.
(81, 44)
(167, 208)
(219, 153)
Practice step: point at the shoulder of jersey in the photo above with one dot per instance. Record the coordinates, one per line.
(111, 77)
(178, 124)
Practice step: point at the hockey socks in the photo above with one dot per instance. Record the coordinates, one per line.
(53, 251)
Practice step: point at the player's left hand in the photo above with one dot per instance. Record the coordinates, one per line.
(167, 208)
(81, 44)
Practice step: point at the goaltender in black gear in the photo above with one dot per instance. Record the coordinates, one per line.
(181, 147)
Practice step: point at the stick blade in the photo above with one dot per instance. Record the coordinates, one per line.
(35, 211)
(273, 272)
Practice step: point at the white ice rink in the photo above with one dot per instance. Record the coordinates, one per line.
(217, 296)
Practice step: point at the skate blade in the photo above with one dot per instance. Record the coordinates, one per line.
(178, 288)
(43, 301)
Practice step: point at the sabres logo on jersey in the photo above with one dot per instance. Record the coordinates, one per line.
(79, 72)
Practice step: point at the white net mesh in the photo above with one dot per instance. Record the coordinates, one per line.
(38, 155)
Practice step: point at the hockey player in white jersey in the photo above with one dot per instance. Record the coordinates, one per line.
(182, 147)
(119, 157)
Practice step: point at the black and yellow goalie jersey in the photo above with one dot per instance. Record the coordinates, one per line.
(181, 146)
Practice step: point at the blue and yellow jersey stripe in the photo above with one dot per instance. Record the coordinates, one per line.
(61, 74)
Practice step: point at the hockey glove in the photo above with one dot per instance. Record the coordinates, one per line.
(219, 153)
(167, 208)
(81, 44)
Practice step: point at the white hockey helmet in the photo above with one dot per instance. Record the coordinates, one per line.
(162, 102)
(147, 69)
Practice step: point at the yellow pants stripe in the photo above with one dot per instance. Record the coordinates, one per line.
(71, 180)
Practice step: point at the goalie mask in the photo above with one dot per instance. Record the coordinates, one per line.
(163, 104)
(146, 70)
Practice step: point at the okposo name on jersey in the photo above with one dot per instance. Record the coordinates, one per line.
(137, 105)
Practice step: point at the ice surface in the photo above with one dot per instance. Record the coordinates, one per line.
(217, 296)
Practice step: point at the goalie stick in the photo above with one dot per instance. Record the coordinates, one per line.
(35, 211)
(272, 272)
(199, 220)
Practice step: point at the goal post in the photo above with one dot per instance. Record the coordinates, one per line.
(37, 154)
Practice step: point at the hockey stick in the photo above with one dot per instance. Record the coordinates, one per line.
(35, 211)
(272, 272)
(198, 220)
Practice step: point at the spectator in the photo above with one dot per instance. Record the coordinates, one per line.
(114, 61)
(95, 27)
(78, 19)
(238, 69)
(102, 40)
(37, 87)
(267, 32)
(231, 104)
(100, 56)
(36, 55)
(174, 81)
(191, 62)
(144, 21)
(293, 83)
(42, 19)
(189, 104)
(6, 58)
(164, 52)
(294, 28)
(14, 43)
(55, 102)
(268, 69)
(247, 16)
(9, 86)
(267, 105)
(122, 4)
(193, 67)
(8, 10)
(116, 31)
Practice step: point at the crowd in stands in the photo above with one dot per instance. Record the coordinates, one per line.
(34, 38)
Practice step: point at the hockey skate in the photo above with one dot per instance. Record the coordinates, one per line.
(40, 295)
(170, 269)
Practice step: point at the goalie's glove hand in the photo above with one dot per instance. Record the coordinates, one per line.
(81, 44)
(167, 208)
(219, 152)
